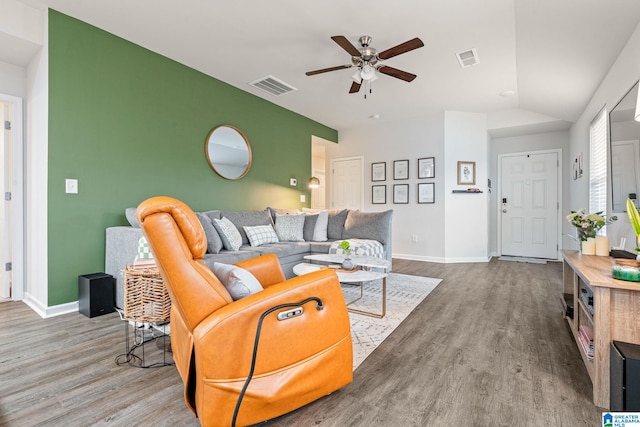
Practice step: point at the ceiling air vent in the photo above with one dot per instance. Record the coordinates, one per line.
(467, 58)
(273, 85)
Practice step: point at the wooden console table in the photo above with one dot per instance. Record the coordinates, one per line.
(616, 313)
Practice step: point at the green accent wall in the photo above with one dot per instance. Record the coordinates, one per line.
(130, 124)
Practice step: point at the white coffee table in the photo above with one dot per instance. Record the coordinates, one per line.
(361, 273)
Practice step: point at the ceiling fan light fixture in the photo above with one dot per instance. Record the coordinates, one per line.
(368, 73)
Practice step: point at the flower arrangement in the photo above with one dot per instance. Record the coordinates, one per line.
(634, 219)
(346, 247)
(588, 225)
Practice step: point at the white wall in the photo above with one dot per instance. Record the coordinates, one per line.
(466, 215)
(521, 144)
(13, 80)
(622, 75)
(409, 139)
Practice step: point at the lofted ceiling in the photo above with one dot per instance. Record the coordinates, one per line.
(552, 54)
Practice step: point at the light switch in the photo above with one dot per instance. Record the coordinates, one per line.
(303, 198)
(71, 186)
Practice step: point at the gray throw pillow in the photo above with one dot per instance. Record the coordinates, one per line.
(368, 225)
(310, 221)
(336, 223)
(228, 233)
(130, 214)
(289, 228)
(238, 281)
(214, 243)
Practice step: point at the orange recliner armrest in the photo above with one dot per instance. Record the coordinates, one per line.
(265, 268)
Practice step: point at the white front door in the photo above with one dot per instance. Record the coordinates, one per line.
(528, 205)
(347, 183)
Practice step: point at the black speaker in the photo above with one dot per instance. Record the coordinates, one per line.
(624, 377)
(96, 294)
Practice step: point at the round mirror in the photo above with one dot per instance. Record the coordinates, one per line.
(228, 152)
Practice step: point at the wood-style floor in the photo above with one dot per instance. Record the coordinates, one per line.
(488, 347)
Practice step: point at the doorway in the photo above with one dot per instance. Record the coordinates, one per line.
(529, 204)
(347, 183)
(11, 199)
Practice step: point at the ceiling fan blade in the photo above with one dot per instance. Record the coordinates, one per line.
(326, 70)
(401, 48)
(346, 45)
(355, 87)
(398, 74)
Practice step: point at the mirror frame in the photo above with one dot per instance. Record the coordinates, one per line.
(207, 141)
(611, 143)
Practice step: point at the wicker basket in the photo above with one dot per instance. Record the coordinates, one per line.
(145, 297)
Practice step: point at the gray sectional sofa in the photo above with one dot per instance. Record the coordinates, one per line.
(122, 241)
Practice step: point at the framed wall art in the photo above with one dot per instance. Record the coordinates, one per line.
(401, 169)
(401, 193)
(378, 194)
(426, 192)
(466, 173)
(379, 171)
(426, 168)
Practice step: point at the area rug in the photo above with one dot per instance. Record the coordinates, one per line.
(404, 293)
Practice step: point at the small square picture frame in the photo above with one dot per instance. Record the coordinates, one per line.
(378, 171)
(426, 192)
(401, 194)
(378, 194)
(400, 169)
(466, 173)
(426, 167)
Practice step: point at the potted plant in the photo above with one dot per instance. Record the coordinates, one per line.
(347, 264)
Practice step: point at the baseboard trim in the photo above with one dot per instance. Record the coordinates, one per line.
(46, 311)
(441, 260)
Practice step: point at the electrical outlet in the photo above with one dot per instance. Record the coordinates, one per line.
(414, 238)
(71, 186)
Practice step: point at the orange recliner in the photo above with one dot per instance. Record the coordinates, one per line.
(298, 359)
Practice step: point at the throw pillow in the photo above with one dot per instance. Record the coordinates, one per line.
(250, 218)
(290, 228)
(320, 228)
(238, 281)
(281, 211)
(368, 225)
(229, 234)
(310, 221)
(260, 234)
(130, 214)
(214, 243)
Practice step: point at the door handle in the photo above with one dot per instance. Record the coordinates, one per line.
(504, 211)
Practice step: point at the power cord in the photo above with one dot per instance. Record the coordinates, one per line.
(319, 306)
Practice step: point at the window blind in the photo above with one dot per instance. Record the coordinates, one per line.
(598, 163)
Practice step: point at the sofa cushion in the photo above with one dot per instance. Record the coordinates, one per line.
(238, 281)
(260, 234)
(368, 225)
(248, 218)
(290, 228)
(283, 249)
(229, 234)
(320, 247)
(212, 214)
(214, 243)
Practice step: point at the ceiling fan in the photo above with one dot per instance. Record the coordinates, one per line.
(368, 61)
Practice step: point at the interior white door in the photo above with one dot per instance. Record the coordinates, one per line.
(529, 205)
(347, 183)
